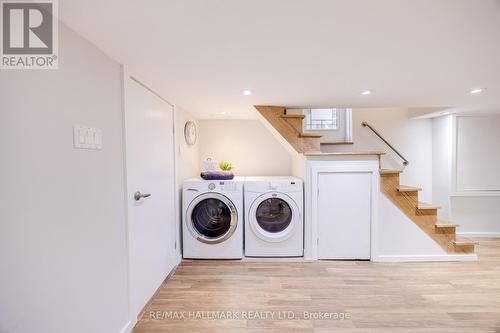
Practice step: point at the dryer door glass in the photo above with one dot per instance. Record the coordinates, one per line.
(273, 215)
(211, 218)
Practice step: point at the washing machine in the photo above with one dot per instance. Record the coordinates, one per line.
(274, 210)
(212, 224)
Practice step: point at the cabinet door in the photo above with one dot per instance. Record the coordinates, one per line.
(344, 215)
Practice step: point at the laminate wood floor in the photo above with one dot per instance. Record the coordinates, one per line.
(249, 296)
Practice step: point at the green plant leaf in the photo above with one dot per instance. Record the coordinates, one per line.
(225, 166)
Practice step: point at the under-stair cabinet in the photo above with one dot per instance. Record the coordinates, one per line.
(341, 206)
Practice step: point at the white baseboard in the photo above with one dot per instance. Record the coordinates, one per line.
(423, 258)
(479, 234)
(129, 326)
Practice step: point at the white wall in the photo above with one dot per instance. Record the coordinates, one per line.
(400, 239)
(413, 138)
(476, 215)
(187, 156)
(477, 212)
(188, 160)
(248, 144)
(63, 251)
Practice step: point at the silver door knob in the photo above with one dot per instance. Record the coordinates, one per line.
(138, 195)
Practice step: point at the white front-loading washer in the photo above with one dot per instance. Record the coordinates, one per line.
(274, 225)
(212, 224)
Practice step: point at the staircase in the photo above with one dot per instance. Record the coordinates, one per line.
(424, 215)
(290, 127)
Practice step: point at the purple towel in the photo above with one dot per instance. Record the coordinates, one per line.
(217, 175)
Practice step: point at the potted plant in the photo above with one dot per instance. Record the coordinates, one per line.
(224, 172)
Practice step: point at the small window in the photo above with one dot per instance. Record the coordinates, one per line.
(322, 119)
(335, 124)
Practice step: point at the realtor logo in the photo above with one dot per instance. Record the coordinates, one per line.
(29, 34)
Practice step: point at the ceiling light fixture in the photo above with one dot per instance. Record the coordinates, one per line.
(223, 113)
(246, 92)
(366, 92)
(476, 91)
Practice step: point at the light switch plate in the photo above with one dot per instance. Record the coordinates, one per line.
(86, 137)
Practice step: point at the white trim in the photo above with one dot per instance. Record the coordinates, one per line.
(125, 75)
(128, 327)
(177, 195)
(479, 234)
(348, 125)
(476, 194)
(456, 192)
(426, 258)
(454, 132)
(139, 82)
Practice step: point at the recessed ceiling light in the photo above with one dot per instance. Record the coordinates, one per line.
(444, 113)
(246, 92)
(476, 91)
(223, 112)
(366, 92)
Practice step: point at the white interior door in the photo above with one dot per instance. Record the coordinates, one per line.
(344, 215)
(152, 227)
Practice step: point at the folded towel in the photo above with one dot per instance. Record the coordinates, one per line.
(217, 175)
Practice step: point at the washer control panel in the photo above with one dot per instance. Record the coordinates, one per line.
(227, 186)
(222, 185)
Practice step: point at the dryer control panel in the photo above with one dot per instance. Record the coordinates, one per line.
(291, 186)
(273, 184)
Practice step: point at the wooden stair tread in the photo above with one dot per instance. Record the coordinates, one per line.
(390, 171)
(310, 135)
(444, 228)
(299, 116)
(423, 214)
(446, 225)
(337, 143)
(464, 241)
(404, 188)
(464, 245)
(425, 205)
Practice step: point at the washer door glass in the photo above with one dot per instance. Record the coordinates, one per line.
(273, 215)
(211, 218)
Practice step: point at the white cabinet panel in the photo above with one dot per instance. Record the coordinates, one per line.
(344, 215)
(477, 157)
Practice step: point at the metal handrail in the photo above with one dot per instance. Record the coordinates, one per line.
(365, 124)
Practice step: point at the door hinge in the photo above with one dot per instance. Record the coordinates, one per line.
(175, 245)
(317, 241)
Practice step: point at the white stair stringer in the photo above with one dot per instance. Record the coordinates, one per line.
(400, 239)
